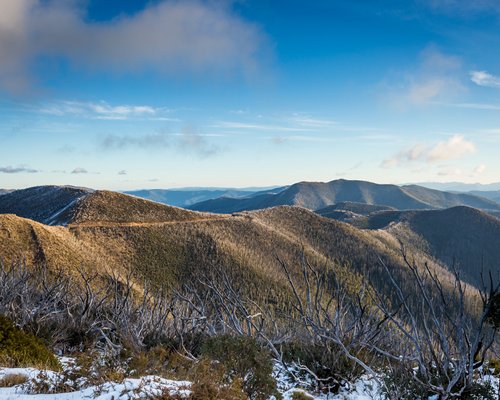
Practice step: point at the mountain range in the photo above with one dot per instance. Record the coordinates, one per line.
(113, 232)
(461, 186)
(318, 195)
(109, 231)
(488, 194)
(189, 196)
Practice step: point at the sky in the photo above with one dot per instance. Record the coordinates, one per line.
(121, 95)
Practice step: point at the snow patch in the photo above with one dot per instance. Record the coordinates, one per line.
(140, 388)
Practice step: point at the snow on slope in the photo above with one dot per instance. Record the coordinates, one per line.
(144, 387)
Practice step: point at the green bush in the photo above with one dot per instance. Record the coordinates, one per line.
(243, 358)
(20, 349)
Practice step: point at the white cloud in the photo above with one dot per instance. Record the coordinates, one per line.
(79, 170)
(479, 169)
(451, 149)
(169, 36)
(101, 110)
(483, 78)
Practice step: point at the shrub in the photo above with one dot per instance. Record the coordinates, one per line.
(210, 382)
(244, 359)
(399, 385)
(328, 363)
(20, 349)
(494, 365)
(301, 396)
(13, 380)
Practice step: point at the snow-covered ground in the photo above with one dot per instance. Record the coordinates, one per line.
(365, 388)
(149, 386)
(146, 387)
(141, 388)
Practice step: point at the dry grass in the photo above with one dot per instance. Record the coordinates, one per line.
(11, 380)
(188, 245)
(120, 208)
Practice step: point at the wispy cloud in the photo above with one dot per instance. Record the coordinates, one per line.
(152, 39)
(17, 170)
(79, 170)
(283, 139)
(258, 127)
(101, 110)
(311, 122)
(151, 141)
(436, 77)
(449, 172)
(483, 78)
(463, 7)
(122, 172)
(192, 142)
(348, 170)
(473, 106)
(453, 148)
(188, 141)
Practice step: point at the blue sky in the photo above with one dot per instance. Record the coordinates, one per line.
(148, 94)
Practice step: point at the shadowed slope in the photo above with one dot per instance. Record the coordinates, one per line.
(465, 236)
(51, 205)
(439, 199)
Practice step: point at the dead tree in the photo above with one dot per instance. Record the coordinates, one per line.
(329, 314)
(444, 341)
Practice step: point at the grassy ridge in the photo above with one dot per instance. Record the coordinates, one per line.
(169, 246)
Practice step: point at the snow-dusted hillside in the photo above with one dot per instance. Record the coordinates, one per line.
(51, 205)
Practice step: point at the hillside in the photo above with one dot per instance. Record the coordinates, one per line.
(357, 208)
(62, 205)
(169, 246)
(440, 199)
(492, 194)
(225, 269)
(462, 235)
(113, 207)
(318, 195)
(51, 205)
